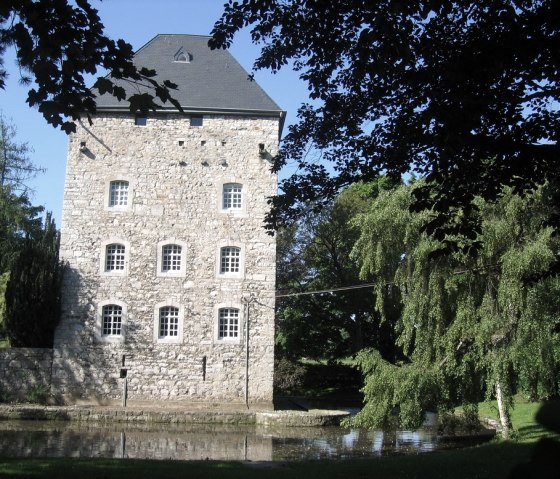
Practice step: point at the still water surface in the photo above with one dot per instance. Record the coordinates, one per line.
(217, 442)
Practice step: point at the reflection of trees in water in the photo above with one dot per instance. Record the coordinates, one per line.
(333, 442)
(198, 441)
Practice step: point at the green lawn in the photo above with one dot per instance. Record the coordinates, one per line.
(490, 461)
(526, 430)
(493, 460)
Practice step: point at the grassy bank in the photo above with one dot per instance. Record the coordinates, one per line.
(526, 430)
(493, 460)
(489, 461)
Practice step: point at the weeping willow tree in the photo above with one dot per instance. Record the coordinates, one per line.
(469, 326)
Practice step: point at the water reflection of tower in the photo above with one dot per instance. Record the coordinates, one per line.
(123, 444)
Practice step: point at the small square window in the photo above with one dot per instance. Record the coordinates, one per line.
(140, 121)
(118, 193)
(196, 120)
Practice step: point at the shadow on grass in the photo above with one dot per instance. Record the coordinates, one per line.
(531, 433)
(544, 462)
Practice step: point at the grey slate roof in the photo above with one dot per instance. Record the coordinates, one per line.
(211, 80)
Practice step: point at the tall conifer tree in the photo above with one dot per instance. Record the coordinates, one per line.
(33, 291)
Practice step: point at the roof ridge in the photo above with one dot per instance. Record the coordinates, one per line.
(212, 80)
(171, 35)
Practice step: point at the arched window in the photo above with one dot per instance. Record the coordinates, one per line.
(228, 323)
(171, 258)
(182, 56)
(230, 259)
(232, 198)
(168, 322)
(115, 257)
(111, 320)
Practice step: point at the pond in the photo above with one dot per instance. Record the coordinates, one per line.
(199, 441)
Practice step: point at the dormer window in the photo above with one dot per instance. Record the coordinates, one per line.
(182, 56)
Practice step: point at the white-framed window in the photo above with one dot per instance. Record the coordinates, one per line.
(171, 258)
(118, 193)
(114, 257)
(115, 254)
(228, 323)
(230, 259)
(111, 321)
(232, 197)
(168, 322)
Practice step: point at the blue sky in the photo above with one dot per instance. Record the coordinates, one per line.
(136, 21)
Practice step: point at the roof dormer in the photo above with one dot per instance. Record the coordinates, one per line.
(182, 56)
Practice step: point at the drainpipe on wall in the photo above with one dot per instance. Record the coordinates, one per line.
(123, 375)
(247, 353)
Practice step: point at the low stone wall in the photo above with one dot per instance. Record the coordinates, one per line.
(123, 415)
(311, 418)
(23, 372)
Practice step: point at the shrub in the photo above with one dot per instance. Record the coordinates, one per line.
(288, 376)
(38, 394)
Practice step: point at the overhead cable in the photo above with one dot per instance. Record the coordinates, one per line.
(331, 290)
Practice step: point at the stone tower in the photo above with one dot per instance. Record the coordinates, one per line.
(170, 273)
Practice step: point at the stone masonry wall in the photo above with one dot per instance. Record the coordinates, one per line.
(176, 174)
(23, 370)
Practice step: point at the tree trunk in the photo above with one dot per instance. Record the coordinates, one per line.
(358, 334)
(505, 421)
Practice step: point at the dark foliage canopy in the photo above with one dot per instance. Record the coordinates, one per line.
(33, 291)
(463, 93)
(58, 42)
(315, 255)
(18, 219)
